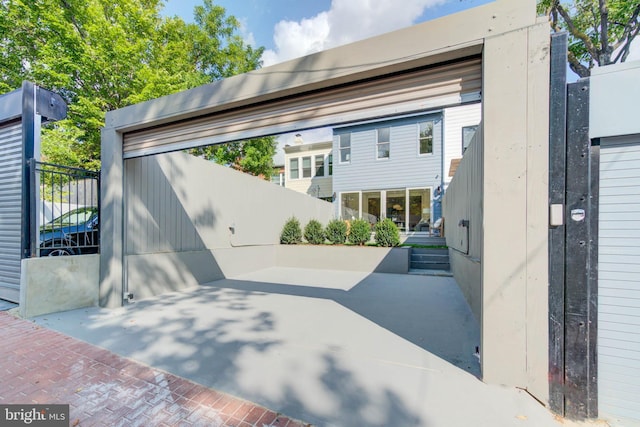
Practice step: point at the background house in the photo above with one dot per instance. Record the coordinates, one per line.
(309, 168)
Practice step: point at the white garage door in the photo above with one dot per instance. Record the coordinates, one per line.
(619, 279)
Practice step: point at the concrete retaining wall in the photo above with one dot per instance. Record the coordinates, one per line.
(54, 284)
(192, 221)
(349, 258)
(463, 202)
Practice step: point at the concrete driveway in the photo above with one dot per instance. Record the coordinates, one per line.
(330, 348)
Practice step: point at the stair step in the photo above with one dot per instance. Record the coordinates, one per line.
(430, 257)
(430, 265)
(439, 251)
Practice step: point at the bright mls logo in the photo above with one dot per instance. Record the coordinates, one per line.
(34, 415)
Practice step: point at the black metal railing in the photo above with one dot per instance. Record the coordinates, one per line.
(64, 208)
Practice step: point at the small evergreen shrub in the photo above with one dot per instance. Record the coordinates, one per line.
(360, 232)
(291, 232)
(387, 233)
(313, 233)
(336, 231)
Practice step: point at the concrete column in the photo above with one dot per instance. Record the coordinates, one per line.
(515, 271)
(111, 219)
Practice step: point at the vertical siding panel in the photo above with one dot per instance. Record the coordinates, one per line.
(11, 164)
(618, 282)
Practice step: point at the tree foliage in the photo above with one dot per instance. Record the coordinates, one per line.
(600, 31)
(253, 156)
(102, 55)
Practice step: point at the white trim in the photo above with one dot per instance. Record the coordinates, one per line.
(340, 148)
(433, 126)
(378, 143)
(383, 202)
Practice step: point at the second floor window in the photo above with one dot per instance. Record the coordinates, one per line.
(330, 163)
(320, 165)
(306, 167)
(345, 147)
(383, 146)
(293, 169)
(468, 132)
(426, 137)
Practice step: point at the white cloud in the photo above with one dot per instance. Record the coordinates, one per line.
(247, 36)
(346, 21)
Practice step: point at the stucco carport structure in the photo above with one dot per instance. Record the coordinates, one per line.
(499, 50)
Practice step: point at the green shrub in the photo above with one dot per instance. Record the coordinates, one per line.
(313, 233)
(387, 233)
(360, 232)
(336, 231)
(291, 232)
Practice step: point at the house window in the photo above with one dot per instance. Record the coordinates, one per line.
(371, 206)
(426, 137)
(320, 165)
(294, 172)
(330, 162)
(468, 132)
(350, 203)
(396, 201)
(419, 209)
(306, 167)
(383, 145)
(345, 147)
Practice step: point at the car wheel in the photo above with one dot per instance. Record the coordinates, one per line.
(60, 252)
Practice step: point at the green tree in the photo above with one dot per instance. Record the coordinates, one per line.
(253, 156)
(102, 55)
(600, 31)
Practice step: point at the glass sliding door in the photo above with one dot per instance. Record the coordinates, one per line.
(371, 206)
(350, 205)
(419, 209)
(397, 207)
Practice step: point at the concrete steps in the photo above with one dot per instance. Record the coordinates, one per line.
(429, 259)
(424, 240)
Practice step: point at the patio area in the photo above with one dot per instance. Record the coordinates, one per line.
(331, 348)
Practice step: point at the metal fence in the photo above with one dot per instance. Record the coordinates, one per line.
(65, 203)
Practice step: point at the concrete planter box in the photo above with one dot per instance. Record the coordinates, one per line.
(349, 258)
(53, 284)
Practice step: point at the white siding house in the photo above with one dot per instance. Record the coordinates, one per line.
(460, 124)
(308, 169)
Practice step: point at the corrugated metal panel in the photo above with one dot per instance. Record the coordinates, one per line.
(416, 91)
(10, 210)
(155, 219)
(463, 201)
(619, 279)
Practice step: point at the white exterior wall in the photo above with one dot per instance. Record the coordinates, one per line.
(613, 105)
(316, 186)
(455, 118)
(614, 118)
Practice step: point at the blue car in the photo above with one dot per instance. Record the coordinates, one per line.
(74, 233)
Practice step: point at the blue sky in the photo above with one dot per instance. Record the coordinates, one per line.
(292, 28)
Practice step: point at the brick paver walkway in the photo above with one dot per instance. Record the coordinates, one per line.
(41, 366)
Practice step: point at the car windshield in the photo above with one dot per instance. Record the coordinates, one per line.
(74, 217)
